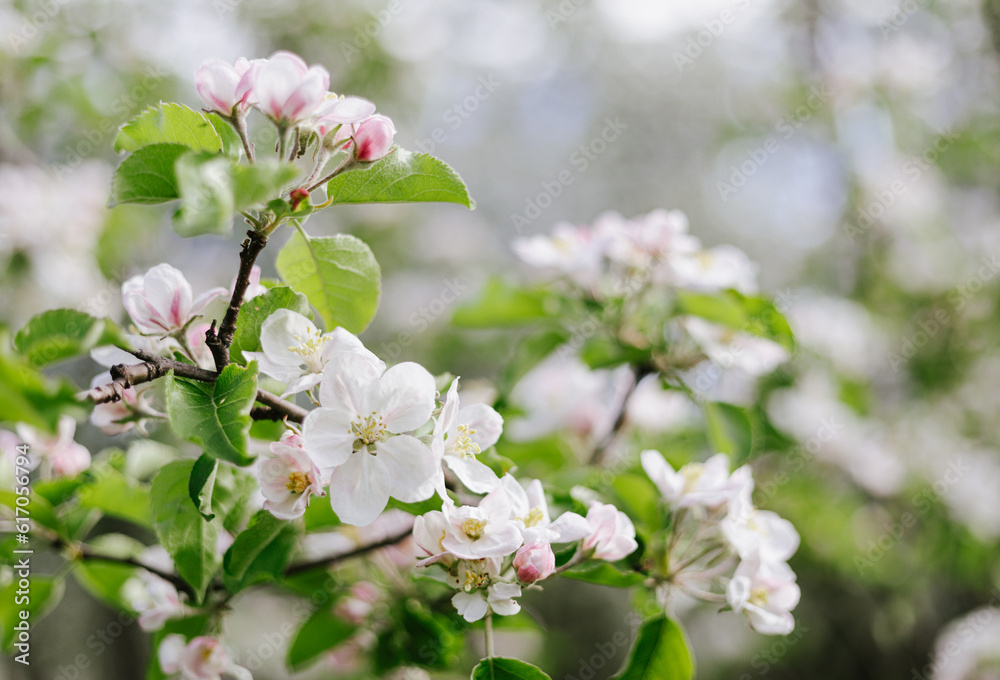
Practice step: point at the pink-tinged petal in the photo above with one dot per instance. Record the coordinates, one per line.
(169, 653)
(569, 527)
(360, 489)
(168, 292)
(487, 423)
(328, 438)
(412, 466)
(345, 111)
(407, 397)
(203, 300)
(216, 83)
(477, 477)
(307, 97)
(350, 384)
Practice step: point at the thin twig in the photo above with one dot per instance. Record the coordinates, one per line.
(597, 456)
(87, 553)
(357, 552)
(220, 341)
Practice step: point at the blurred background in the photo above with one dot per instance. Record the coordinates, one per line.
(850, 147)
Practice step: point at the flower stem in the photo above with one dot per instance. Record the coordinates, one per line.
(489, 634)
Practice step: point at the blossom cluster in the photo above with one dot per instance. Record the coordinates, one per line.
(295, 96)
(489, 551)
(720, 541)
(653, 255)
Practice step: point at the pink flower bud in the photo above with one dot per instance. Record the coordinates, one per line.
(224, 88)
(534, 562)
(373, 138)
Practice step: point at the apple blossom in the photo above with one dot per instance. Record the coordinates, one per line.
(574, 251)
(534, 562)
(460, 434)
(613, 534)
(762, 532)
(530, 513)
(337, 111)
(254, 287)
(719, 268)
(288, 478)
(155, 599)
(766, 593)
(357, 435)
(64, 456)
(117, 417)
(203, 658)
(373, 138)
(472, 577)
(225, 89)
(295, 352)
(287, 90)
(429, 531)
(201, 354)
(705, 484)
(731, 349)
(161, 302)
(359, 603)
(486, 530)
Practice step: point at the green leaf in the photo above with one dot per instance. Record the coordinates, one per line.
(261, 552)
(254, 312)
(64, 333)
(116, 495)
(418, 508)
(231, 144)
(170, 123)
(729, 430)
(604, 352)
(205, 185)
(147, 177)
(202, 483)
(400, 177)
(320, 632)
(215, 416)
(319, 515)
(104, 580)
(338, 274)
(255, 185)
(500, 668)
(502, 304)
(45, 595)
(181, 529)
(605, 574)
(41, 511)
(26, 396)
(418, 635)
(660, 653)
(748, 314)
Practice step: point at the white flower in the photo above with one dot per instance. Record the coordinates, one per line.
(766, 593)
(357, 435)
(203, 658)
(460, 434)
(161, 301)
(487, 530)
(336, 111)
(64, 456)
(288, 477)
(655, 241)
(499, 597)
(116, 417)
(295, 352)
(574, 251)
(655, 409)
(224, 88)
(612, 533)
(733, 349)
(530, 512)
(762, 532)
(705, 484)
(155, 599)
(716, 269)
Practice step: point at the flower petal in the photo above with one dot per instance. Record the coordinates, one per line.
(360, 488)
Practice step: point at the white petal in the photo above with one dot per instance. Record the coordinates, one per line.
(569, 527)
(359, 489)
(350, 384)
(328, 438)
(477, 477)
(412, 467)
(406, 395)
(471, 606)
(487, 423)
(282, 371)
(283, 330)
(302, 384)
